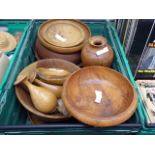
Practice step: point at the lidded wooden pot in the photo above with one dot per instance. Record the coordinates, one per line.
(97, 52)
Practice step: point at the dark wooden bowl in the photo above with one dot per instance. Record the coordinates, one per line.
(24, 96)
(114, 103)
(44, 53)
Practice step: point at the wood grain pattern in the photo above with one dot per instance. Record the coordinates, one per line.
(118, 101)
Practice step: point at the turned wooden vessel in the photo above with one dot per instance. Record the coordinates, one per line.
(42, 52)
(99, 96)
(97, 52)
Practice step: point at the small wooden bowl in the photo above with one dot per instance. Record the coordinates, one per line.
(24, 96)
(99, 96)
(44, 53)
(64, 50)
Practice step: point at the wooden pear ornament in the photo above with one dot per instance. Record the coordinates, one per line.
(43, 99)
(53, 88)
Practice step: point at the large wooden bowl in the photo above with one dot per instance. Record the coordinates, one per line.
(44, 53)
(62, 49)
(24, 96)
(99, 96)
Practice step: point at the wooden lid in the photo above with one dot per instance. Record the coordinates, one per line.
(99, 96)
(63, 33)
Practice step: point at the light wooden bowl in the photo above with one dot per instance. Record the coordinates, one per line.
(24, 96)
(99, 96)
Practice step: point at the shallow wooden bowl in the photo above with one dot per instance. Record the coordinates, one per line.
(60, 49)
(99, 96)
(44, 53)
(24, 96)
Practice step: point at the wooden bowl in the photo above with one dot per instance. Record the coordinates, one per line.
(60, 49)
(24, 96)
(44, 53)
(99, 96)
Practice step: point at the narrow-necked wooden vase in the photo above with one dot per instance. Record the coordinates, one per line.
(97, 52)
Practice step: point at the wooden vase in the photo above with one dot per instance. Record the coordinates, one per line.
(97, 52)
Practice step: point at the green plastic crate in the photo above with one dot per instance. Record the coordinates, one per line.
(13, 117)
(13, 27)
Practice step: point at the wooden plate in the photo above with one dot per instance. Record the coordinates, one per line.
(24, 96)
(70, 48)
(63, 33)
(99, 96)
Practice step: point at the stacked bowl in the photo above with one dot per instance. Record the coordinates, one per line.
(62, 39)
